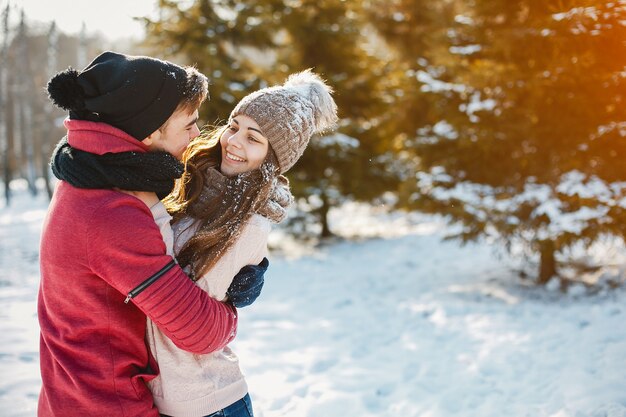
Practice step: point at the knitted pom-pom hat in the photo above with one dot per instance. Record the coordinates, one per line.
(290, 114)
(136, 94)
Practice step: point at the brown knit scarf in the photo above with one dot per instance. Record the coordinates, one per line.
(271, 202)
(226, 204)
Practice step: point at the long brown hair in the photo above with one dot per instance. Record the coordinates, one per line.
(222, 209)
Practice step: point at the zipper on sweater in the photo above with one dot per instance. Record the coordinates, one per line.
(139, 288)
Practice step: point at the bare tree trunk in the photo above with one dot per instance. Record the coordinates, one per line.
(326, 232)
(9, 131)
(53, 39)
(4, 145)
(25, 103)
(547, 267)
(81, 53)
(25, 163)
(45, 171)
(31, 144)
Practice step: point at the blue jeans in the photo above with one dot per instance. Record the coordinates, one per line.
(241, 408)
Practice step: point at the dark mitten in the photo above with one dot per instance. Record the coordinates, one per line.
(247, 284)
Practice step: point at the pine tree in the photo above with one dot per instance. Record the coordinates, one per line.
(331, 36)
(222, 38)
(529, 142)
(242, 47)
(415, 41)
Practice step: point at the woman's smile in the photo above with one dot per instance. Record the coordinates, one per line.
(234, 157)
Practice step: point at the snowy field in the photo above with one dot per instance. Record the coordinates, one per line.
(403, 324)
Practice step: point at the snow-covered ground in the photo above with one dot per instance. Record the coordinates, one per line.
(400, 325)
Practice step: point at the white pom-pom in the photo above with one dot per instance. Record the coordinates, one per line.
(315, 88)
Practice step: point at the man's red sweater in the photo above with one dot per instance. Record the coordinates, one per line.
(96, 247)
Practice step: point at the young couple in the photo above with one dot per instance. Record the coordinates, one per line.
(125, 329)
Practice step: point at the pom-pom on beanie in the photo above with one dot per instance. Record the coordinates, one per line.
(290, 114)
(136, 94)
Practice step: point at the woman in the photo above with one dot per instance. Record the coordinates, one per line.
(222, 207)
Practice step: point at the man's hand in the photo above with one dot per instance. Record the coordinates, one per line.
(247, 284)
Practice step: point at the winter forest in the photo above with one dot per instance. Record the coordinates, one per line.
(457, 243)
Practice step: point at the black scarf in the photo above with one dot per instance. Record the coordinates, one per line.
(133, 171)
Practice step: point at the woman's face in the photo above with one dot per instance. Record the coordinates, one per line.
(244, 147)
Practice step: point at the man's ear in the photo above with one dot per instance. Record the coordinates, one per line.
(151, 138)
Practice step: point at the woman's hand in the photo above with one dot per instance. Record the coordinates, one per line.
(247, 284)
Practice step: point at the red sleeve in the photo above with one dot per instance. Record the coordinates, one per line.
(126, 248)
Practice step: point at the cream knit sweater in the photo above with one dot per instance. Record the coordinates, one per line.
(191, 385)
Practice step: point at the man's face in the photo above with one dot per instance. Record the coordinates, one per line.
(174, 138)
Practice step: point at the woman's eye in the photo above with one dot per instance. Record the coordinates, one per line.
(232, 129)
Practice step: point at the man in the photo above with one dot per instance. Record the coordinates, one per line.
(104, 266)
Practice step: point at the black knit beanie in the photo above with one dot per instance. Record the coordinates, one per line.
(136, 94)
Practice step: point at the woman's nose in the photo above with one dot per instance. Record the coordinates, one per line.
(234, 140)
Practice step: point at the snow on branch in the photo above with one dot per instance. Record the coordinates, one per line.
(550, 211)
